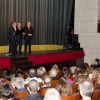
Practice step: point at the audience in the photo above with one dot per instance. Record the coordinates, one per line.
(18, 82)
(47, 82)
(64, 89)
(6, 92)
(98, 81)
(66, 76)
(3, 81)
(55, 66)
(33, 88)
(53, 74)
(52, 94)
(86, 89)
(4, 71)
(32, 75)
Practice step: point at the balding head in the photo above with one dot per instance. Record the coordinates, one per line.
(53, 73)
(32, 73)
(33, 86)
(86, 88)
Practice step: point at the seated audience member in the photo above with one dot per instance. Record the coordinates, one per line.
(95, 64)
(52, 94)
(40, 72)
(86, 89)
(47, 82)
(5, 70)
(8, 76)
(6, 92)
(32, 75)
(94, 75)
(55, 66)
(98, 80)
(33, 88)
(53, 74)
(73, 69)
(3, 81)
(64, 89)
(43, 68)
(18, 82)
(66, 77)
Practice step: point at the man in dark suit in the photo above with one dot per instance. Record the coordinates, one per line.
(28, 30)
(20, 38)
(13, 37)
(33, 88)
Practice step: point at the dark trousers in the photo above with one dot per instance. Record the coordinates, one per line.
(28, 43)
(14, 46)
(10, 45)
(20, 44)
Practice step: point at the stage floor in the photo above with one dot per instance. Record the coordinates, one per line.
(38, 53)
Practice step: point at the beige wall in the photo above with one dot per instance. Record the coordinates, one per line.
(86, 18)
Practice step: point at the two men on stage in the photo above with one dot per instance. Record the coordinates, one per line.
(16, 39)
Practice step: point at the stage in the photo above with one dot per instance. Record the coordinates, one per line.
(46, 58)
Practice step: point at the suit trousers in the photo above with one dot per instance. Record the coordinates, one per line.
(10, 45)
(28, 43)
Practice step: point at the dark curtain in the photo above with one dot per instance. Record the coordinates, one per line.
(50, 18)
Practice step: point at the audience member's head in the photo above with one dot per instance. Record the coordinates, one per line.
(53, 73)
(19, 70)
(86, 89)
(55, 66)
(52, 94)
(72, 69)
(98, 79)
(86, 65)
(47, 80)
(66, 73)
(32, 73)
(95, 74)
(8, 76)
(40, 72)
(78, 79)
(33, 86)
(3, 81)
(78, 72)
(4, 71)
(43, 68)
(6, 91)
(18, 82)
(63, 88)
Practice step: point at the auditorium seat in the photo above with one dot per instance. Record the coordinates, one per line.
(54, 83)
(96, 95)
(75, 88)
(59, 76)
(43, 91)
(71, 97)
(95, 85)
(21, 95)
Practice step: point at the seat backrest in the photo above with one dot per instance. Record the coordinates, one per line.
(21, 95)
(54, 83)
(75, 88)
(43, 91)
(71, 97)
(59, 76)
(95, 85)
(96, 95)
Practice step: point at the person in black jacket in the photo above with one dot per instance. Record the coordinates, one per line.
(20, 38)
(13, 38)
(28, 30)
(33, 88)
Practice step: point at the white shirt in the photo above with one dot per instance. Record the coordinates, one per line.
(35, 78)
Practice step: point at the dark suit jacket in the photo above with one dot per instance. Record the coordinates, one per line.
(54, 78)
(11, 33)
(28, 31)
(33, 97)
(22, 90)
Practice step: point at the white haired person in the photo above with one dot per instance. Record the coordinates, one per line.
(52, 94)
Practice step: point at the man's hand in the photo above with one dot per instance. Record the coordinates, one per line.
(29, 34)
(23, 33)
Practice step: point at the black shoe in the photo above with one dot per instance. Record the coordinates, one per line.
(20, 53)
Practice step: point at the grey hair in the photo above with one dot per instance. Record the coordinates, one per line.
(40, 72)
(86, 87)
(18, 82)
(52, 94)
